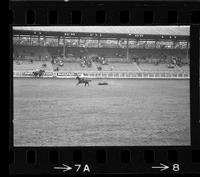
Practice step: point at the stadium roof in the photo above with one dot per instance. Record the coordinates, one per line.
(145, 30)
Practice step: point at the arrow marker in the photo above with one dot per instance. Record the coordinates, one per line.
(162, 167)
(64, 168)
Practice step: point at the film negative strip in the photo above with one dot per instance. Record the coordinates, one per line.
(104, 87)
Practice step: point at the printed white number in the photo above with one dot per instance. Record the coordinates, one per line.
(176, 167)
(77, 165)
(85, 169)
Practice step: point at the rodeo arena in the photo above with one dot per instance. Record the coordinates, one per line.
(101, 85)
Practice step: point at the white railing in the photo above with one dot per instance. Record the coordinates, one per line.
(109, 74)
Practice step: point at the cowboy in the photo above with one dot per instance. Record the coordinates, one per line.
(82, 76)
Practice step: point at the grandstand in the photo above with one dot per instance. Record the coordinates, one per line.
(133, 49)
(162, 67)
(28, 66)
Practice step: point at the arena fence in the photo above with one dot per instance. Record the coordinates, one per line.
(109, 74)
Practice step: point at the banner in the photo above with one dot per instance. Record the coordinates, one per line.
(66, 74)
(116, 75)
(48, 74)
(27, 73)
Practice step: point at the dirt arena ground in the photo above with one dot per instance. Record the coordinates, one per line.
(56, 112)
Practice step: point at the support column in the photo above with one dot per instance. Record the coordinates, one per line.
(44, 41)
(98, 41)
(118, 43)
(58, 40)
(187, 52)
(127, 51)
(29, 40)
(64, 48)
(156, 44)
(38, 39)
(78, 41)
(19, 39)
(174, 43)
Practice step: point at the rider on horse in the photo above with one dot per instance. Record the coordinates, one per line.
(82, 80)
(82, 76)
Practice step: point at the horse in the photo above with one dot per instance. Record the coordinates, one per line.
(39, 73)
(82, 81)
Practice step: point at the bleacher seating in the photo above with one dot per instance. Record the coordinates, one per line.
(120, 67)
(185, 68)
(112, 54)
(116, 57)
(159, 54)
(160, 67)
(27, 65)
(34, 51)
(75, 67)
(55, 51)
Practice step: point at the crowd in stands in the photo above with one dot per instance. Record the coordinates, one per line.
(88, 60)
(57, 62)
(149, 55)
(100, 56)
(85, 61)
(100, 59)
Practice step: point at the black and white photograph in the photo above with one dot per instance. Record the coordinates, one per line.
(101, 86)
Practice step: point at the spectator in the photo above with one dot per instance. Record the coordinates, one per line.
(99, 68)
